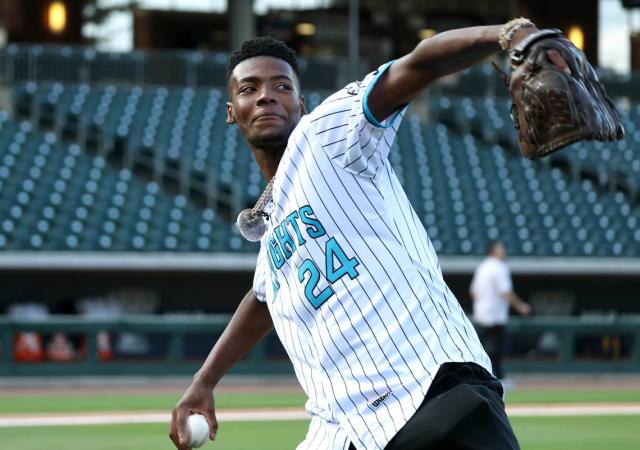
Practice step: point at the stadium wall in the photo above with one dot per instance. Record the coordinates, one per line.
(215, 283)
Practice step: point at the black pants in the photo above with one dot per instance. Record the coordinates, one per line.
(493, 341)
(463, 410)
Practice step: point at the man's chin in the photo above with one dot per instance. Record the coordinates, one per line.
(270, 140)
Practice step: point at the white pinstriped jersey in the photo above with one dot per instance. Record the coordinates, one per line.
(352, 281)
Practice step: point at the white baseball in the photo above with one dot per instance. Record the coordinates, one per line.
(198, 430)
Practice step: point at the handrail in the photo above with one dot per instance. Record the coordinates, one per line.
(178, 329)
(77, 63)
(82, 64)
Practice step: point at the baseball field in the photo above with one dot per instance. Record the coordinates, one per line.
(567, 416)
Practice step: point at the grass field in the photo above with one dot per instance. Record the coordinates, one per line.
(14, 404)
(54, 403)
(534, 433)
(541, 433)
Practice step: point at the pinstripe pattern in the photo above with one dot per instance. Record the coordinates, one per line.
(365, 346)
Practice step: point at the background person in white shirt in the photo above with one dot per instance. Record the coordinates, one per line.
(492, 293)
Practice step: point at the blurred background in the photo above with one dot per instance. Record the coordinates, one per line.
(120, 181)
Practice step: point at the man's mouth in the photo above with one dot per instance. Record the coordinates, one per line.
(267, 117)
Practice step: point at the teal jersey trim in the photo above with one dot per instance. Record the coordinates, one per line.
(365, 100)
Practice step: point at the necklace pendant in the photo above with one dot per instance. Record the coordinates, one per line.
(251, 225)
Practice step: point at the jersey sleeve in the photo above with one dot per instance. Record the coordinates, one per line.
(473, 286)
(504, 279)
(363, 142)
(260, 276)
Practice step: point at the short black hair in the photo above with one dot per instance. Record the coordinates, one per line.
(262, 46)
(490, 246)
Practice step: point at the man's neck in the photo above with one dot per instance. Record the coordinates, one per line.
(268, 160)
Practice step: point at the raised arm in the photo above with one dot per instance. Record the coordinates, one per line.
(440, 55)
(248, 326)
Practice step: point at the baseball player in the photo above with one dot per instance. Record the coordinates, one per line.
(346, 273)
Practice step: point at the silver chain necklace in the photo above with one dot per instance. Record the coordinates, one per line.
(252, 222)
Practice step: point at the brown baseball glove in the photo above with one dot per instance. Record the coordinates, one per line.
(552, 109)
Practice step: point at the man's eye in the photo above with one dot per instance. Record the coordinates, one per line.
(284, 87)
(247, 89)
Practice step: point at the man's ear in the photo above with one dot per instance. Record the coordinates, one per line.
(231, 117)
(303, 106)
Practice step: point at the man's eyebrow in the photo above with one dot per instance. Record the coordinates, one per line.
(254, 79)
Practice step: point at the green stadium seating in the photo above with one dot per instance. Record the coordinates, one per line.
(56, 197)
(461, 169)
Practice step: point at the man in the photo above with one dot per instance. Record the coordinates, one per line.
(492, 294)
(346, 273)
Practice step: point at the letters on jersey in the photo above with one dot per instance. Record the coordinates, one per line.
(282, 246)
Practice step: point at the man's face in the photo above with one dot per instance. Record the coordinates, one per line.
(500, 251)
(265, 101)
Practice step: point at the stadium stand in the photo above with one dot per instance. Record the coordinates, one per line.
(154, 167)
(168, 132)
(80, 64)
(57, 197)
(612, 163)
(538, 209)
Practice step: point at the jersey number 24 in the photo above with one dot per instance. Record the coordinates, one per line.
(337, 265)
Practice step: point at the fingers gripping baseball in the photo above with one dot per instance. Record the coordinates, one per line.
(182, 428)
(178, 432)
(196, 400)
(210, 415)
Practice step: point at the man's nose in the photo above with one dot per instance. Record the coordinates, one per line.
(266, 95)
